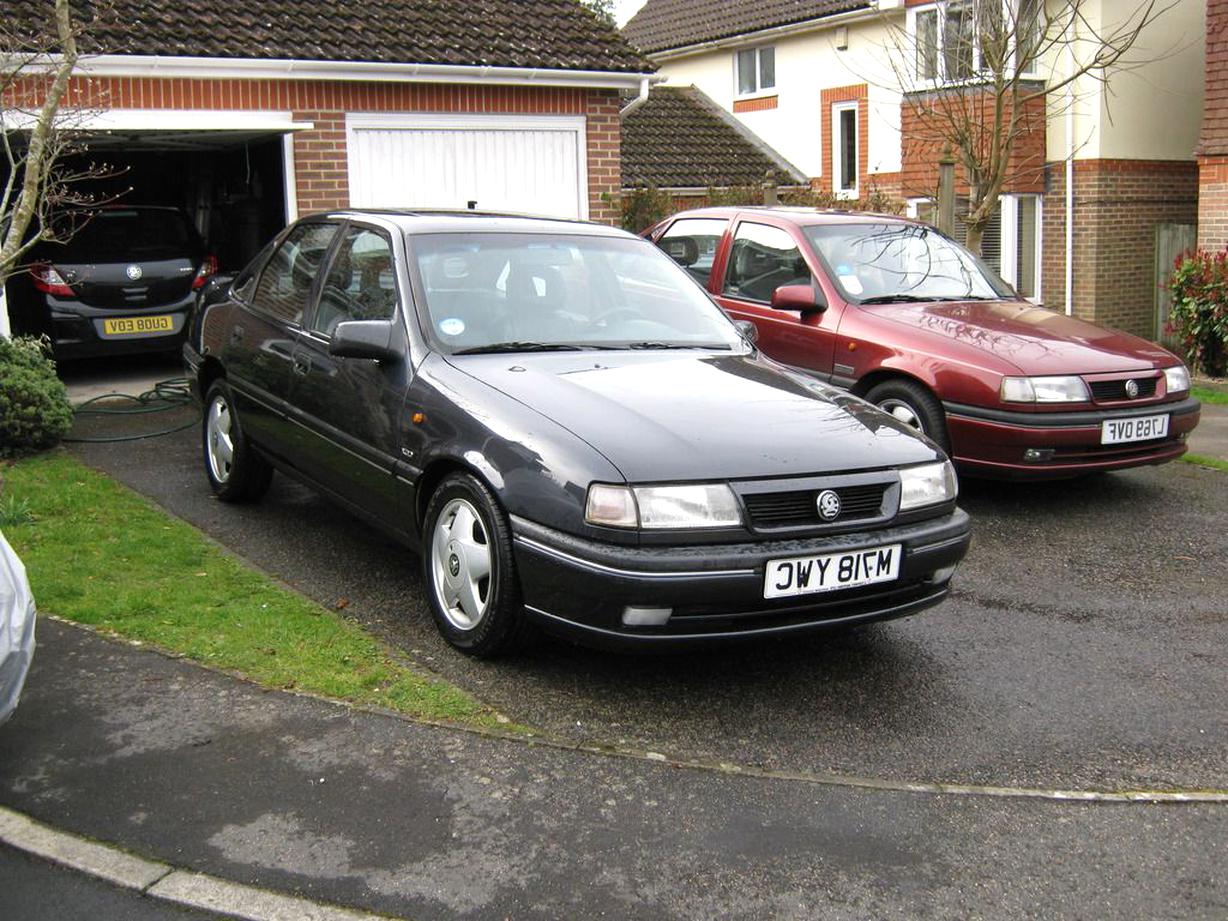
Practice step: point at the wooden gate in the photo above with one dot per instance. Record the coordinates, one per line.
(1171, 241)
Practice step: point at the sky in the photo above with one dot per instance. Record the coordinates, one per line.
(625, 9)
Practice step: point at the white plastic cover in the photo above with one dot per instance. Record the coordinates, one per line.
(16, 628)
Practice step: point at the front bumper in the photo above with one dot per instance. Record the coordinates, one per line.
(579, 588)
(993, 442)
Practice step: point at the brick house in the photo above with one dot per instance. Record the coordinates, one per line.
(249, 114)
(833, 85)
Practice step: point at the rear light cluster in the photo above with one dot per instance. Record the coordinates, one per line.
(208, 268)
(49, 281)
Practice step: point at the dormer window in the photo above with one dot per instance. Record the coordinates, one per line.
(755, 70)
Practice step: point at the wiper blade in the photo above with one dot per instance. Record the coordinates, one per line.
(677, 345)
(520, 347)
(927, 298)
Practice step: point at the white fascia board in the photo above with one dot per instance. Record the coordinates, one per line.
(766, 35)
(126, 65)
(164, 120)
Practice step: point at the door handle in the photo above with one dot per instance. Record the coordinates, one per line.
(302, 364)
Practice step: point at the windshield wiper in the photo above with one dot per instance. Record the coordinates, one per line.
(677, 345)
(918, 298)
(520, 347)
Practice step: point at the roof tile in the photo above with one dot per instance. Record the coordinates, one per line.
(664, 24)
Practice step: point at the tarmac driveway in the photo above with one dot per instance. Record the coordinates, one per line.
(1084, 646)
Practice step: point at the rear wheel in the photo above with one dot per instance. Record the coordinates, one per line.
(469, 569)
(236, 473)
(915, 406)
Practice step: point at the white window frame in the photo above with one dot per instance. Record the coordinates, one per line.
(759, 91)
(941, 78)
(1009, 241)
(837, 148)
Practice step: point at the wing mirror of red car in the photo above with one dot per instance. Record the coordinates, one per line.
(364, 339)
(806, 298)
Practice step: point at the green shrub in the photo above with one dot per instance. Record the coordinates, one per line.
(34, 409)
(1199, 315)
(639, 209)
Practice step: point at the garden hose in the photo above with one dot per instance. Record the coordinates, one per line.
(166, 395)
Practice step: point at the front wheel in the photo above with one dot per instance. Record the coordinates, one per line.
(236, 472)
(469, 570)
(915, 406)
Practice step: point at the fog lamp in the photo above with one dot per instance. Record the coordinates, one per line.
(646, 617)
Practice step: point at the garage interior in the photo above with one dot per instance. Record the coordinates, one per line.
(230, 183)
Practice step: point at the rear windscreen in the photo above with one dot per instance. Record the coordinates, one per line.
(131, 234)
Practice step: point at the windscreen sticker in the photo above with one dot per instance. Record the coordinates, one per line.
(452, 326)
(852, 284)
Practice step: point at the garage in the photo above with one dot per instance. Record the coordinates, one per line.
(531, 164)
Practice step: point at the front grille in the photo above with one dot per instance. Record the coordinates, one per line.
(777, 509)
(1115, 391)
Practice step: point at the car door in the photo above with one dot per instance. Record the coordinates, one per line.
(350, 408)
(259, 346)
(762, 257)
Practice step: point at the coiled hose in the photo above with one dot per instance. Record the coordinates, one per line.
(165, 396)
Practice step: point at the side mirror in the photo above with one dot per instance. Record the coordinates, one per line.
(748, 330)
(364, 339)
(806, 298)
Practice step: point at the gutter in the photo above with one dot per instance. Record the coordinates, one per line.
(641, 98)
(130, 65)
(749, 38)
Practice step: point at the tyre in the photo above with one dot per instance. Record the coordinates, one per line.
(914, 405)
(469, 570)
(236, 472)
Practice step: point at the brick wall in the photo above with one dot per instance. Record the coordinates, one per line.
(1213, 202)
(1118, 204)
(320, 154)
(924, 126)
(1213, 140)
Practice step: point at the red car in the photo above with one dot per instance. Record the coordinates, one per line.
(904, 317)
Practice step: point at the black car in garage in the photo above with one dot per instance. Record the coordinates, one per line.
(568, 430)
(123, 282)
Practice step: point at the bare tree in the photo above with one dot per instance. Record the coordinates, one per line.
(978, 76)
(42, 179)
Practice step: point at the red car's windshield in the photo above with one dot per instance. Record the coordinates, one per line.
(897, 261)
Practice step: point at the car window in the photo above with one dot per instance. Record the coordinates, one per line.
(124, 234)
(287, 278)
(245, 282)
(761, 260)
(359, 283)
(692, 243)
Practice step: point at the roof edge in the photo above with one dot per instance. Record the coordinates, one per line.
(791, 28)
(749, 136)
(129, 65)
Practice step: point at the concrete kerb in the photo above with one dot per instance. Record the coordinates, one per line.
(162, 881)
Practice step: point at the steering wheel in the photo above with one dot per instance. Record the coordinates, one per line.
(626, 313)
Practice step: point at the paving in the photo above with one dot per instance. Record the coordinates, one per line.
(1083, 651)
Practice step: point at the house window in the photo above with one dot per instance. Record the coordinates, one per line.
(1010, 244)
(844, 149)
(955, 40)
(756, 70)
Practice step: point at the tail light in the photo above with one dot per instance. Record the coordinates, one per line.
(207, 269)
(48, 280)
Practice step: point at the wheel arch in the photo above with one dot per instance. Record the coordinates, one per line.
(881, 375)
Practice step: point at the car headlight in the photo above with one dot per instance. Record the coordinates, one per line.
(929, 484)
(1063, 389)
(1177, 380)
(706, 505)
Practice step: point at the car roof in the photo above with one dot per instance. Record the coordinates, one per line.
(416, 221)
(798, 215)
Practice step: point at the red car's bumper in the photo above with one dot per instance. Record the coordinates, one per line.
(996, 443)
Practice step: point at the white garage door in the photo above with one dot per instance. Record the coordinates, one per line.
(533, 164)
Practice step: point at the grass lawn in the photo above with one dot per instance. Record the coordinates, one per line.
(1217, 395)
(1203, 461)
(99, 554)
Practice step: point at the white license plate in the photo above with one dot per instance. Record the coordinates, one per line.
(804, 575)
(1140, 428)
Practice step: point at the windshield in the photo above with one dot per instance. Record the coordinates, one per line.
(897, 261)
(526, 292)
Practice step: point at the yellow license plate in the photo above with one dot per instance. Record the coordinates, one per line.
(127, 326)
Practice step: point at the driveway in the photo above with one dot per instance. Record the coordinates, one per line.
(1084, 647)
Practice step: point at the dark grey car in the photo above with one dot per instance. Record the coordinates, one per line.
(568, 430)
